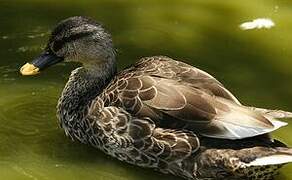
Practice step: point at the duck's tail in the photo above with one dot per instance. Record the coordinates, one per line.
(278, 114)
(266, 166)
(250, 163)
(280, 155)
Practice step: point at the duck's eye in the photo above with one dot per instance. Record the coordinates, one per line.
(56, 46)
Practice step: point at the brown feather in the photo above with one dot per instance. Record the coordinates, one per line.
(159, 87)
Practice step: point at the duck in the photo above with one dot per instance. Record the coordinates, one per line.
(158, 113)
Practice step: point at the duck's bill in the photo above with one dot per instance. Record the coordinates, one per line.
(45, 60)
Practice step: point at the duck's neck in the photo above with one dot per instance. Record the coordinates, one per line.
(85, 84)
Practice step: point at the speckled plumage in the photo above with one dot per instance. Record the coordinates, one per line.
(122, 122)
(161, 113)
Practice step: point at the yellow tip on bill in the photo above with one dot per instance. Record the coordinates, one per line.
(29, 69)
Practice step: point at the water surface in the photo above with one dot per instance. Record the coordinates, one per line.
(255, 65)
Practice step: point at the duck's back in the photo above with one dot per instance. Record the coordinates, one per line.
(153, 114)
(179, 96)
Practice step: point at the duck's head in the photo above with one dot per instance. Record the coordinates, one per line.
(78, 39)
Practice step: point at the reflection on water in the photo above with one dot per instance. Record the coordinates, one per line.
(30, 48)
(31, 33)
(255, 65)
(258, 23)
(35, 33)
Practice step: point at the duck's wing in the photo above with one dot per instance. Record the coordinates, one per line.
(165, 67)
(178, 103)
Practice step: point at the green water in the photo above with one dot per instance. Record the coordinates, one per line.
(255, 65)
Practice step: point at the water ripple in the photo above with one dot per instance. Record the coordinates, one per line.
(26, 115)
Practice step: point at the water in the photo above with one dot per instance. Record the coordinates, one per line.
(254, 64)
